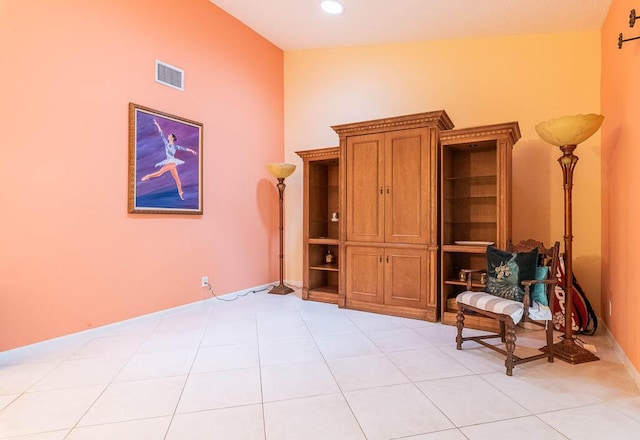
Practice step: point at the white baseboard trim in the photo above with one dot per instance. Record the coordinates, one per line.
(106, 328)
(241, 293)
(294, 284)
(622, 355)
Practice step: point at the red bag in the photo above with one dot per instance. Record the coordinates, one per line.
(583, 318)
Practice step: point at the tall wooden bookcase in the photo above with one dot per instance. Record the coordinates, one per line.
(321, 217)
(389, 199)
(475, 200)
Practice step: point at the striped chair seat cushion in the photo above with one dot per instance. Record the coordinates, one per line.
(495, 304)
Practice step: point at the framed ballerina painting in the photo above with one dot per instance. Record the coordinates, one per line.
(165, 163)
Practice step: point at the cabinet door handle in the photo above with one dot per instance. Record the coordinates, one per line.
(381, 191)
(381, 258)
(388, 190)
(387, 258)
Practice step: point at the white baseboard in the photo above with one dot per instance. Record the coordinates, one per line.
(106, 328)
(621, 354)
(241, 293)
(295, 284)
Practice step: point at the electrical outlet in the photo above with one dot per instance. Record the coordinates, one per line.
(205, 281)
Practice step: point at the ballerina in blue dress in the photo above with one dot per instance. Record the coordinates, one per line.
(170, 163)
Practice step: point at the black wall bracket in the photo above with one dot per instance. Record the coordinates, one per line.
(632, 22)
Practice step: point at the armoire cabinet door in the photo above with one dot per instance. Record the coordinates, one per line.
(406, 276)
(408, 177)
(389, 204)
(365, 266)
(388, 181)
(365, 184)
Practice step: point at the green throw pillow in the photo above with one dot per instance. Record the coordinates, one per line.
(505, 271)
(538, 291)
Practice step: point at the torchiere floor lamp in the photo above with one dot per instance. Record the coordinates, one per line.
(567, 132)
(281, 171)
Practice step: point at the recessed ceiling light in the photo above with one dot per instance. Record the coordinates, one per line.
(332, 7)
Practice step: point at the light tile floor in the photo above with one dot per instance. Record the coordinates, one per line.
(278, 368)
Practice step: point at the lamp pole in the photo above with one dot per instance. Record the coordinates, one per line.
(567, 349)
(281, 289)
(567, 132)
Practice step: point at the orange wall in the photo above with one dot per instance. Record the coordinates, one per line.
(529, 79)
(621, 180)
(71, 257)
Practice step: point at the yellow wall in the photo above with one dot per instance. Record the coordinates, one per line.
(621, 180)
(527, 79)
(71, 257)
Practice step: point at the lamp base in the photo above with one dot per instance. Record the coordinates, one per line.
(281, 289)
(567, 350)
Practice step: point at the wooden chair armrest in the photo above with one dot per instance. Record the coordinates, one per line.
(526, 299)
(530, 282)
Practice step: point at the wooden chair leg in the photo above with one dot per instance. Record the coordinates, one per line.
(502, 333)
(549, 329)
(460, 326)
(511, 347)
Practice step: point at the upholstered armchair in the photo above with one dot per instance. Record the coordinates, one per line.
(519, 288)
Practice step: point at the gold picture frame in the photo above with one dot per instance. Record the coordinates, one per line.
(165, 163)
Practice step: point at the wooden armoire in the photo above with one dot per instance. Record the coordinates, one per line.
(393, 212)
(389, 236)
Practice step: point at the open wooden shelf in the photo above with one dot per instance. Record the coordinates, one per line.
(475, 206)
(321, 199)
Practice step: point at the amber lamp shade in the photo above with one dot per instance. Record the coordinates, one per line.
(281, 171)
(567, 132)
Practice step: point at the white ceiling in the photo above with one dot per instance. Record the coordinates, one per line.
(301, 24)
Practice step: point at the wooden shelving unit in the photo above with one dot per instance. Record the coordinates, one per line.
(321, 280)
(475, 191)
(402, 205)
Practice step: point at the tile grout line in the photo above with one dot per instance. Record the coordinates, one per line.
(111, 381)
(364, 435)
(173, 415)
(264, 418)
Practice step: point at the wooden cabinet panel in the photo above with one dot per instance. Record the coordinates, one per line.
(407, 180)
(406, 277)
(365, 181)
(389, 194)
(365, 269)
(388, 181)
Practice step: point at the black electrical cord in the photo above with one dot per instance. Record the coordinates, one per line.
(239, 295)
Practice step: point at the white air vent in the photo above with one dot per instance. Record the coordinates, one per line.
(169, 75)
